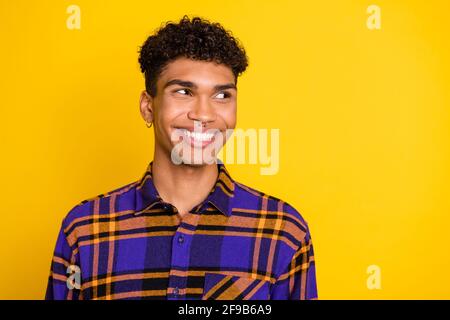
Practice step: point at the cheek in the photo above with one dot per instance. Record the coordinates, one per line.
(168, 111)
(228, 115)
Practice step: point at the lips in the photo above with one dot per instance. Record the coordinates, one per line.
(198, 138)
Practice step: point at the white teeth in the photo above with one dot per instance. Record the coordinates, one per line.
(199, 136)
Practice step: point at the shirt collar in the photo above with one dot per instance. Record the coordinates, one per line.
(220, 195)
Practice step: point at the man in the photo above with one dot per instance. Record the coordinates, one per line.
(186, 229)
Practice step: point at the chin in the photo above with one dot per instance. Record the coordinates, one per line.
(199, 161)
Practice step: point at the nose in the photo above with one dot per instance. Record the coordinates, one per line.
(202, 111)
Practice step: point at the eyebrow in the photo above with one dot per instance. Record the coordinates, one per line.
(190, 84)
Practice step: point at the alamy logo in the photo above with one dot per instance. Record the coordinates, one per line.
(74, 277)
(204, 146)
(374, 20)
(73, 21)
(374, 279)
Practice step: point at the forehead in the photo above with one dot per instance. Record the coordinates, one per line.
(201, 72)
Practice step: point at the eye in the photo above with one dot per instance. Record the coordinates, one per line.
(223, 95)
(185, 90)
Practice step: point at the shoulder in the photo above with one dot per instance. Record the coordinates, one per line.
(100, 204)
(251, 199)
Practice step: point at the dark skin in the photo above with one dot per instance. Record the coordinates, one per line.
(188, 93)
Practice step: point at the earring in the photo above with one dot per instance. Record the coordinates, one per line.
(149, 124)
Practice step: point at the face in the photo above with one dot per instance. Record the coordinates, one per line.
(193, 112)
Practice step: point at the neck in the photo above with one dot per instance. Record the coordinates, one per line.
(183, 186)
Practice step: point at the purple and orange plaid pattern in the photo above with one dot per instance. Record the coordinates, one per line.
(238, 243)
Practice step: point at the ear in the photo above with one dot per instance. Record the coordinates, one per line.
(146, 106)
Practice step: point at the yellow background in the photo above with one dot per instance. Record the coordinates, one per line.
(363, 118)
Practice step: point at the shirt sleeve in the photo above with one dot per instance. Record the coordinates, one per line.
(298, 282)
(64, 278)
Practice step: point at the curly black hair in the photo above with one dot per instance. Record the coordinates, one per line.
(197, 39)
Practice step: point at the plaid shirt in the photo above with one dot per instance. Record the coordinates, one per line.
(238, 243)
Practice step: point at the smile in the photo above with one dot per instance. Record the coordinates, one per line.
(198, 136)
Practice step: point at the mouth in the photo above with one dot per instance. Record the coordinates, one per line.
(197, 138)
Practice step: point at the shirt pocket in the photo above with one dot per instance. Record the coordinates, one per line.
(221, 286)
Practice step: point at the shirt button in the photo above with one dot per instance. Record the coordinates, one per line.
(167, 207)
(175, 291)
(180, 239)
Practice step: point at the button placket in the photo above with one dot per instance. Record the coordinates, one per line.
(181, 243)
(180, 260)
